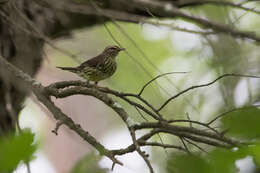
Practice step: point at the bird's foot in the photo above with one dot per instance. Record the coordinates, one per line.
(106, 89)
(102, 88)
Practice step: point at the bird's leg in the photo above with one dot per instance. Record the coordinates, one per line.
(96, 85)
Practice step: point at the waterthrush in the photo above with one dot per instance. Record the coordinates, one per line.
(98, 68)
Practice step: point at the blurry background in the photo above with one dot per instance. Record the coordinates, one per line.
(204, 57)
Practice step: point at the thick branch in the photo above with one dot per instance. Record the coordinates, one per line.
(182, 4)
(42, 96)
(160, 9)
(189, 130)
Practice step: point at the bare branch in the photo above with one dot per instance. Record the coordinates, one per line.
(161, 75)
(190, 130)
(203, 85)
(195, 145)
(132, 147)
(88, 91)
(194, 122)
(58, 124)
(123, 96)
(140, 113)
(143, 143)
(196, 138)
(166, 9)
(155, 115)
(158, 8)
(217, 3)
(155, 131)
(141, 153)
(229, 111)
(42, 96)
(185, 146)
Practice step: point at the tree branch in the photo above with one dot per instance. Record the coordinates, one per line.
(182, 4)
(160, 9)
(69, 88)
(43, 96)
(203, 85)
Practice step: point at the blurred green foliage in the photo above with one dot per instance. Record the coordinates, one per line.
(243, 123)
(216, 161)
(16, 148)
(89, 164)
(180, 163)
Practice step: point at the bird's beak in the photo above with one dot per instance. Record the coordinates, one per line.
(122, 49)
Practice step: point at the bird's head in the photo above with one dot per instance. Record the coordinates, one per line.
(112, 51)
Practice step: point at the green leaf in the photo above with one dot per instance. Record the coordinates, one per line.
(89, 164)
(184, 163)
(243, 123)
(14, 149)
(223, 160)
(219, 160)
(254, 151)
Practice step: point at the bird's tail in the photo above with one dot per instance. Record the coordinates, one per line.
(71, 69)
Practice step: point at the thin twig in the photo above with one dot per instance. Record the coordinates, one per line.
(195, 122)
(188, 117)
(140, 113)
(196, 138)
(143, 143)
(141, 153)
(155, 115)
(157, 134)
(217, 3)
(161, 75)
(229, 111)
(203, 85)
(197, 146)
(167, 9)
(189, 130)
(185, 146)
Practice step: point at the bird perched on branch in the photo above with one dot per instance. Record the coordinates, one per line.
(98, 68)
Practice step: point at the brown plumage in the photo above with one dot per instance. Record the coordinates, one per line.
(98, 68)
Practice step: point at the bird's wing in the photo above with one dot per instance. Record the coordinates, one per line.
(93, 62)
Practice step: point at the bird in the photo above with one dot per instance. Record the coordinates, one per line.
(99, 67)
